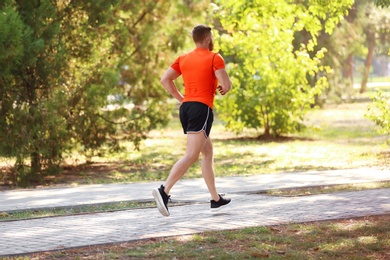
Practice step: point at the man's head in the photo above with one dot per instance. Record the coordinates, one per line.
(202, 36)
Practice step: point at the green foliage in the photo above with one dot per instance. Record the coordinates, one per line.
(366, 29)
(379, 112)
(10, 41)
(382, 3)
(274, 85)
(64, 59)
(26, 126)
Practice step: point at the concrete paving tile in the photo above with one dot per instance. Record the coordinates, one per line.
(246, 210)
(18, 237)
(194, 189)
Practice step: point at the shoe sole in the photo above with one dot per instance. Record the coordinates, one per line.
(219, 208)
(160, 203)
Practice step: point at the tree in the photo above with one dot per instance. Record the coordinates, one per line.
(376, 27)
(382, 3)
(271, 81)
(379, 112)
(27, 83)
(64, 58)
(363, 32)
(341, 46)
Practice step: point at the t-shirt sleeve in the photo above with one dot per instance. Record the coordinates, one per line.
(218, 62)
(176, 65)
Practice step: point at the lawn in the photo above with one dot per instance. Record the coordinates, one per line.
(339, 137)
(361, 238)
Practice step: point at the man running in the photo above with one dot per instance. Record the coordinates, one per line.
(201, 70)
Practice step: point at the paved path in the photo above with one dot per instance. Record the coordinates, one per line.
(247, 209)
(187, 190)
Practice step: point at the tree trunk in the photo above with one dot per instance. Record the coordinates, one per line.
(348, 68)
(367, 65)
(35, 156)
(267, 132)
(35, 165)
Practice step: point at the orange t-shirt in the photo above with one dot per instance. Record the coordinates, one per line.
(198, 70)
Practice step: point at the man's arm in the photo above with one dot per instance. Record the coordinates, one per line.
(167, 80)
(224, 82)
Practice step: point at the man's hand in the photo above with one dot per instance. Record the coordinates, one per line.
(223, 79)
(221, 91)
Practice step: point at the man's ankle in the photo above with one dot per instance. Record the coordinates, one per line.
(165, 190)
(216, 200)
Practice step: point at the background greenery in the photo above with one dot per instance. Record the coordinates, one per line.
(79, 80)
(339, 137)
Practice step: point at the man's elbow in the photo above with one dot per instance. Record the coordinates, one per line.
(166, 83)
(162, 80)
(228, 86)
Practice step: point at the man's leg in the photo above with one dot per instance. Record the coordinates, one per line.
(208, 169)
(195, 144)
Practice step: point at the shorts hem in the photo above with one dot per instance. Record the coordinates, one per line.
(196, 132)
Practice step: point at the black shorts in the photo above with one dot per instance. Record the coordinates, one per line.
(196, 117)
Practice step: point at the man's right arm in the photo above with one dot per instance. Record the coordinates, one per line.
(224, 81)
(167, 80)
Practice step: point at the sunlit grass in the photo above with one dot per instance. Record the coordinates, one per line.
(363, 238)
(126, 205)
(341, 138)
(373, 79)
(328, 189)
(338, 137)
(379, 84)
(66, 211)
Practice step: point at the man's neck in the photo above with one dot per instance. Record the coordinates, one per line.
(202, 46)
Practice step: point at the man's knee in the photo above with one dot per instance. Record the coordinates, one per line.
(207, 153)
(192, 157)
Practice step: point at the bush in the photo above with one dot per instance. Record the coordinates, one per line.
(379, 112)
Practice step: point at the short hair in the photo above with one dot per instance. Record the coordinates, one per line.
(200, 32)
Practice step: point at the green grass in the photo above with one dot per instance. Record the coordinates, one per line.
(372, 79)
(370, 92)
(362, 238)
(327, 189)
(338, 137)
(128, 205)
(74, 210)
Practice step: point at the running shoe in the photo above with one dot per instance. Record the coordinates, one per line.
(161, 199)
(215, 205)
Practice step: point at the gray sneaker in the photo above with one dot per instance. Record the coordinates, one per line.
(161, 199)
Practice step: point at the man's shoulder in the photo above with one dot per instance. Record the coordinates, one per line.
(205, 53)
(218, 57)
(194, 55)
(183, 54)
(217, 54)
